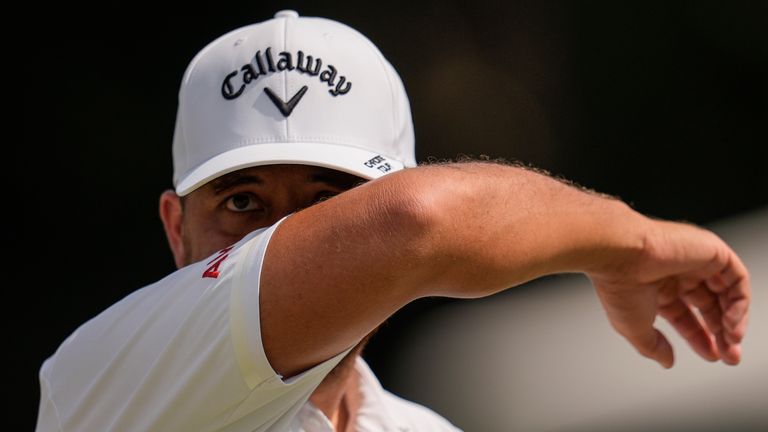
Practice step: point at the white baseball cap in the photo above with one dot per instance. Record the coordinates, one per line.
(290, 90)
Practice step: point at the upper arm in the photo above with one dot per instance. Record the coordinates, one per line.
(335, 271)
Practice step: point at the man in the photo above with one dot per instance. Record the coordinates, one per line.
(289, 259)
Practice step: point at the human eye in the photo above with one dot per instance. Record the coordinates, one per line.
(243, 202)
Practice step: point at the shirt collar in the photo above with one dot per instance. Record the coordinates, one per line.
(373, 415)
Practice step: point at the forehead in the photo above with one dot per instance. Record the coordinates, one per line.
(298, 175)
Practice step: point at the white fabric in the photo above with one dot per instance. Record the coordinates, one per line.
(350, 111)
(380, 411)
(171, 357)
(185, 354)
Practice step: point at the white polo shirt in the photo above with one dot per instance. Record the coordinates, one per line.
(379, 411)
(185, 354)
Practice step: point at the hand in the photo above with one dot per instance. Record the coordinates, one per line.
(690, 277)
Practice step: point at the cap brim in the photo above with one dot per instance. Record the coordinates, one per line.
(353, 160)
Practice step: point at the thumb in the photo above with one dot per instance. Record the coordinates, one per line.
(654, 345)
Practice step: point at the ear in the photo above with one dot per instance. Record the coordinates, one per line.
(171, 215)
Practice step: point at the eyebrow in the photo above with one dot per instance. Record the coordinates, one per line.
(337, 179)
(235, 179)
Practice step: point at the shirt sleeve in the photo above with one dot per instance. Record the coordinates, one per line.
(267, 385)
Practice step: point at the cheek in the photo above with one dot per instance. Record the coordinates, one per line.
(234, 225)
(207, 230)
(203, 238)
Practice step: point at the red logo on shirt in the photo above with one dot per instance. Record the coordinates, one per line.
(213, 266)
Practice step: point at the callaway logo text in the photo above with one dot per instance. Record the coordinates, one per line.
(263, 64)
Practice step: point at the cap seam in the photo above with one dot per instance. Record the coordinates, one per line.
(285, 74)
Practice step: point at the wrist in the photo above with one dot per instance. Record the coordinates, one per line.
(622, 239)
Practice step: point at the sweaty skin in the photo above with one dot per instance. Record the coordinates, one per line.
(335, 271)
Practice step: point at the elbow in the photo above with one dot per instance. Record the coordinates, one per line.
(445, 244)
(416, 224)
(410, 207)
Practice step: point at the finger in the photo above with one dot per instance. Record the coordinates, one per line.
(723, 347)
(690, 327)
(729, 275)
(712, 261)
(735, 317)
(735, 301)
(653, 345)
(632, 312)
(731, 354)
(736, 335)
(717, 282)
(728, 341)
(731, 284)
(708, 305)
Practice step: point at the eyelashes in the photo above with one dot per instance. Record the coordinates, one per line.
(243, 202)
(246, 202)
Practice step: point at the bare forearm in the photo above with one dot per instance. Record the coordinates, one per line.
(493, 226)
